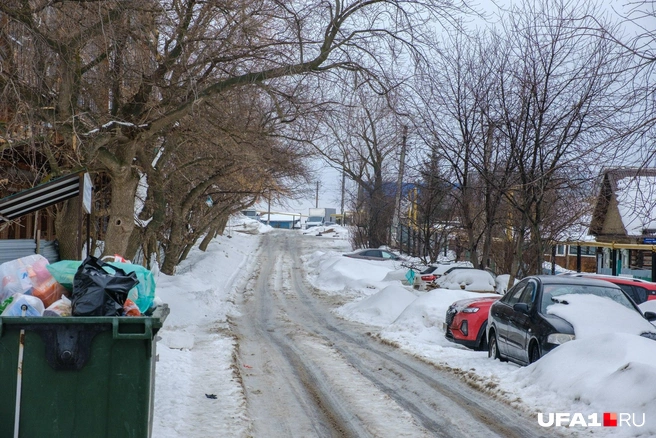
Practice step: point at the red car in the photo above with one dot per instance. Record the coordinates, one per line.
(639, 290)
(466, 322)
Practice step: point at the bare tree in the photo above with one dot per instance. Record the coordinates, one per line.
(521, 114)
(209, 167)
(454, 96)
(635, 36)
(113, 77)
(362, 138)
(556, 98)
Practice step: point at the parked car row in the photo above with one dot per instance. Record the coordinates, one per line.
(517, 326)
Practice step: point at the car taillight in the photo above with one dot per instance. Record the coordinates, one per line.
(428, 277)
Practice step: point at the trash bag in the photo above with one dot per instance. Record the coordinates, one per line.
(130, 308)
(49, 291)
(142, 294)
(100, 288)
(34, 306)
(61, 307)
(64, 271)
(20, 275)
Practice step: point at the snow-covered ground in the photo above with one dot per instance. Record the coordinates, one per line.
(199, 392)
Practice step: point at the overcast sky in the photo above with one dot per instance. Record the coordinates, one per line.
(330, 180)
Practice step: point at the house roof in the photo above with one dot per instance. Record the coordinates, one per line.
(634, 190)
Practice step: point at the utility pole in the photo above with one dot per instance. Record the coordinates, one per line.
(269, 211)
(342, 204)
(316, 198)
(399, 185)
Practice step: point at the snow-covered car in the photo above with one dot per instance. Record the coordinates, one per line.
(473, 280)
(534, 316)
(426, 278)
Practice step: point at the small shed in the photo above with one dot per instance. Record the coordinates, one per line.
(25, 202)
(286, 221)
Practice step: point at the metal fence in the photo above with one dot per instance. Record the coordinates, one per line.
(11, 249)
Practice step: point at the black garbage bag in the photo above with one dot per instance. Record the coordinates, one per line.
(100, 288)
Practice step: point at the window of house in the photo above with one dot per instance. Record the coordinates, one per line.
(586, 251)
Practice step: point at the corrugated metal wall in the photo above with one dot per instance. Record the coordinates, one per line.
(11, 249)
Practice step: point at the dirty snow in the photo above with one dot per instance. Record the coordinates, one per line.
(605, 371)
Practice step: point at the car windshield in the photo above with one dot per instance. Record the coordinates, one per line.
(552, 291)
(315, 219)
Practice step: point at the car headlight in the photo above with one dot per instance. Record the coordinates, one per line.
(470, 310)
(559, 338)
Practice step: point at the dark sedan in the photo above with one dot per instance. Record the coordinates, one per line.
(520, 329)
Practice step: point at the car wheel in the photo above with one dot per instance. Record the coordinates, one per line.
(534, 353)
(493, 348)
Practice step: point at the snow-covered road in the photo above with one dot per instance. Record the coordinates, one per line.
(307, 373)
(274, 333)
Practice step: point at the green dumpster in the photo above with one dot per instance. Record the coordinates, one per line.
(86, 377)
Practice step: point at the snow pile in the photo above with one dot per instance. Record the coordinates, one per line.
(334, 272)
(195, 350)
(246, 225)
(397, 275)
(610, 372)
(423, 318)
(332, 231)
(604, 370)
(501, 283)
(609, 366)
(379, 309)
(546, 269)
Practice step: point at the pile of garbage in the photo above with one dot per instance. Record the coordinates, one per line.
(31, 286)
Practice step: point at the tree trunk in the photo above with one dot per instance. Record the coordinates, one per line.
(121, 210)
(185, 252)
(207, 239)
(136, 241)
(66, 226)
(176, 243)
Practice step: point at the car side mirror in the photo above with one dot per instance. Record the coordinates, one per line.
(650, 316)
(522, 307)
